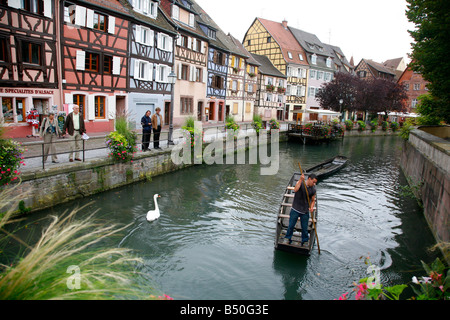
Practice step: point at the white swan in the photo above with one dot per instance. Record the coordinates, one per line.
(152, 215)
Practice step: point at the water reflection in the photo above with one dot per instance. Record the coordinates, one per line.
(215, 236)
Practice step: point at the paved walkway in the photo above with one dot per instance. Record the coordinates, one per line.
(95, 147)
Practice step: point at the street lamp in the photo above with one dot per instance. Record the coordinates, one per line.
(340, 109)
(172, 79)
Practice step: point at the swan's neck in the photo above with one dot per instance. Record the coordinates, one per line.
(156, 203)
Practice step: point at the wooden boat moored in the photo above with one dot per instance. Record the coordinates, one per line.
(328, 167)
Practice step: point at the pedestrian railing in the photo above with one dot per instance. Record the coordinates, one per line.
(95, 146)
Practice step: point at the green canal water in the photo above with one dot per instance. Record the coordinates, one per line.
(215, 236)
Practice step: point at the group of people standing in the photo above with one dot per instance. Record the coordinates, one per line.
(75, 127)
(150, 123)
(50, 130)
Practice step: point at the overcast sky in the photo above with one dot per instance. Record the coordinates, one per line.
(376, 30)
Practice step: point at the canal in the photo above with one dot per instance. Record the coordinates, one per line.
(215, 236)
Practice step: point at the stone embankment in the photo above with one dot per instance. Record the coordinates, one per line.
(426, 163)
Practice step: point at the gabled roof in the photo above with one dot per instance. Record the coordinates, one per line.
(180, 26)
(160, 22)
(241, 51)
(379, 67)
(339, 57)
(285, 40)
(393, 63)
(221, 41)
(309, 42)
(266, 67)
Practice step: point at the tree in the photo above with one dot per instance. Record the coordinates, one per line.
(431, 48)
(342, 87)
(377, 95)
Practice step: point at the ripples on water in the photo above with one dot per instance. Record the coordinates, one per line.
(215, 237)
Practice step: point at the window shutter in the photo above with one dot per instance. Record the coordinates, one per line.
(180, 70)
(48, 8)
(205, 75)
(89, 18)
(191, 19)
(189, 43)
(68, 98)
(166, 75)
(151, 38)
(91, 108)
(203, 49)
(149, 69)
(137, 71)
(81, 60)
(192, 73)
(80, 16)
(138, 33)
(15, 4)
(111, 24)
(145, 5)
(111, 107)
(116, 66)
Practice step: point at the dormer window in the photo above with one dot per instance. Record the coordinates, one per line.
(175, 12)
(191, 20)
(314, 59)
(290, 55)
(211, 34)
(147, 7)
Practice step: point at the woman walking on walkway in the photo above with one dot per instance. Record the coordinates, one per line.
(49, 131)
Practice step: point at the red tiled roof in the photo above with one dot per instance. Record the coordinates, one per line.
(286, 41)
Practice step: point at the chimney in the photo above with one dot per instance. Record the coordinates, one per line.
(285, 24)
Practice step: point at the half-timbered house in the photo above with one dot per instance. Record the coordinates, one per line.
(190, 62)
(275, 41)
(269, 95)
(242, 82)
(94, 42)
(28, 62)
(151, 57)
(321, 69)
(219, 48)
(368, 69)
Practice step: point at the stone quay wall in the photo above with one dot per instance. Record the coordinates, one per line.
(425, 161)
(42, 189)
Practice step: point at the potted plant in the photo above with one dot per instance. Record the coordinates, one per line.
(348, 125)
(361, 125)
(257, 123)
(384, 125)
(270, 88)
(281, 90)
(122, 142)
(373, 125)
(11, 155)
(394, 126)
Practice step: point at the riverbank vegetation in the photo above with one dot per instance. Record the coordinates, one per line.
(434, 286)
(66, 261)
(122, 142)
(11, 156)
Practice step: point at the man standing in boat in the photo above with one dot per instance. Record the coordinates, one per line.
(302, 205)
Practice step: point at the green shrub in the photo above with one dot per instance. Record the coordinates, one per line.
(361, 125)
(394, 126)
(348, 125)
(11, 155)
